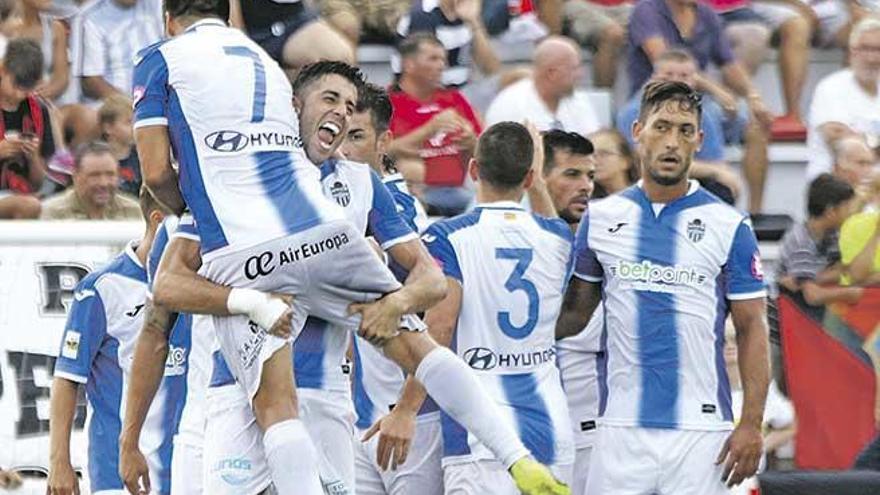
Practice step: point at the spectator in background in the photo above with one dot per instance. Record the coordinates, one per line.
(709, 165)
(34, 21)
(568, 172)
(435, 129)
(290, 32)
(600, 24)
(750, 34)
(116, 130)
(854, 162)
(830, 20)
(847, 102)
(549, 98)
(809, 258)
(94, 192)
(616, 167)
(860, 243)
(353, 18)
(464, 36)
(656, 25)
(26, 126)
(107, 35)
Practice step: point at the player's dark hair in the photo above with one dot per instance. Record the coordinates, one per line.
(374, 99)
(825, 192)
(198, 8)
(558, 140)
(315, 71)
(413, 43)
(659, 93)
(24, 62)
(504, 152)
(90, 148)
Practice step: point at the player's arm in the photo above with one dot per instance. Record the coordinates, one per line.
(397, 428)
(178, 287)
(154, 152)
(62, 409)
(150, 354)
(578, 304)
(539, 197)
(743, 449)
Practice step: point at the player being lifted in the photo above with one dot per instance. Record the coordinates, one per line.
(255, 196)
(671, 260)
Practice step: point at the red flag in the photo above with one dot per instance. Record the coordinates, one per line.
(832, 391)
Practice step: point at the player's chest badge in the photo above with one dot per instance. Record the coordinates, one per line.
(696, 229)
(340, 193)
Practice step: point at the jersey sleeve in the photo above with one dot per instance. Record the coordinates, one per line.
(744, 270)
(437, 242)
(386, 224)
(586, 264)
(187, 229)
(150, 89)
(83, 333)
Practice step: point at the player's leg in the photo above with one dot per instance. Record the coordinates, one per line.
(581, 468)
(290, 453)
(477, 478)
(368, 477)
(186, 469)
(328, 417)
(624, 462)
(688, 464)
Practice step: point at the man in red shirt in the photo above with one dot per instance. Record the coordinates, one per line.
(435, 128)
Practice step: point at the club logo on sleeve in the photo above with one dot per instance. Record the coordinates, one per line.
(696, 229)
(137, 95)
(70, 349)
(757, 267)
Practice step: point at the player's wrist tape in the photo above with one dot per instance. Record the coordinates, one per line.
(258, 306)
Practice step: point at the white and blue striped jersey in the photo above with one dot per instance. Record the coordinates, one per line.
(668, 273)
(512, 267)
(234, 132)
(408, 206)
(97, 349)
(319, 350)
(190, 346)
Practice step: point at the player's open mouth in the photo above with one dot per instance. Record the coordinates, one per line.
(670, 160)
(580, 201)
(327, 133)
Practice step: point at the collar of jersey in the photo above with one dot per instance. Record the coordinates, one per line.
(205, 22)
(132, 256)
(500, 205)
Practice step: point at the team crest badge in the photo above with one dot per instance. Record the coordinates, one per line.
(340, 193)
(696, 229)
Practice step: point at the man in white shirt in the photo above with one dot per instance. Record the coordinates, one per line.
(549, 98)
(847, 102)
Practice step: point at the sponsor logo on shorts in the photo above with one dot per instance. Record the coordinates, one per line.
(227, 141)
(175, 364)
(233, 471)
(483, 359)
(251, 348)
(336, 488)
(265, 263)
(70, 349)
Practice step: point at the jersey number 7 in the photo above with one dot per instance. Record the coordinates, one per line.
(259, 79)
(517, 282)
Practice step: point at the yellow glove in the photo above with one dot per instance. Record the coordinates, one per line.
(533, 478)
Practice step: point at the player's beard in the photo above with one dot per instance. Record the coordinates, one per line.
(666, 180)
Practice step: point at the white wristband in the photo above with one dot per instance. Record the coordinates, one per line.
(258, 306)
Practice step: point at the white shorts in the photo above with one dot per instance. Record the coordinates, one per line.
(580, 381)
(631, 460)
(327, 268)
(234, 457)
(421, 474)
(186, 469)
(489, 476)
(581, 470)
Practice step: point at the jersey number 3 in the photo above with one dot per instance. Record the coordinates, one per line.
(259, 108)
(516, 282)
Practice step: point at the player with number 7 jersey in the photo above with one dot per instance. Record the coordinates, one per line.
(511, 266)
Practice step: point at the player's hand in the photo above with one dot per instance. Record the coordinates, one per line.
(533, 478)
(133, 470)
(538, 145)
(284, 323)
(62, 480)
(396, 431)
(10, 480)
(741, 454)
(380, 319)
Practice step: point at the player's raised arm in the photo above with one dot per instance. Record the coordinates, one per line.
(154, 152)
